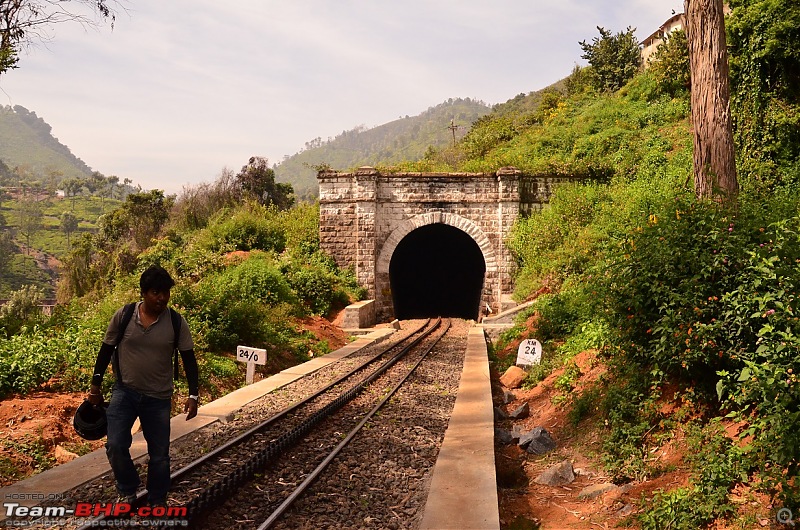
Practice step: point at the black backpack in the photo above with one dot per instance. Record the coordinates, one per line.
(127, 314)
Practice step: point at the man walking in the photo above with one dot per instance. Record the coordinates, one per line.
(142, 343)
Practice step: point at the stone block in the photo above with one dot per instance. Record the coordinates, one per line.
(359, 315)
(513, 377)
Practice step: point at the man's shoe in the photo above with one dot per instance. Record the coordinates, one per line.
(126, 499)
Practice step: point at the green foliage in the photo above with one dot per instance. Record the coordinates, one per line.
(69, 223)
(143, 215)
(29, 218)
(22, 308)
(7, 250)
(36, 449)
(315, 287)
(579, 80)
(199, 203)
(586, 137)
(8, 59)
(765, 81)
(718, 465)
(235, 306)
(256, 228)
(760, 315)
(614, 58)
(256, 181)
(669, 65)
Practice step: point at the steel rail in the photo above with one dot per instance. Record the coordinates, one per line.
(246, 470)
(278, 512)
(289, 409)
(185, 470)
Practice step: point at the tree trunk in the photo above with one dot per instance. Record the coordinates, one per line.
(714, 159)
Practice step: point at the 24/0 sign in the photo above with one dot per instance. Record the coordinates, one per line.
(246, 354)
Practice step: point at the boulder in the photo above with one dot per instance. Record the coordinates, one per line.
(508, 396)
(503, 436)
(513, 377)
(557, 475)
(538, 441)
(521, 412)
(595, 490)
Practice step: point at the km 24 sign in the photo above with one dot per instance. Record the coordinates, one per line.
(529, 353)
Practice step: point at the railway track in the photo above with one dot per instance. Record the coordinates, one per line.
(260, 478)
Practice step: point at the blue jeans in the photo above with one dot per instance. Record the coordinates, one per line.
(154, 414)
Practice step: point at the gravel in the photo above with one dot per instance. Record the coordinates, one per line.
(379, 481)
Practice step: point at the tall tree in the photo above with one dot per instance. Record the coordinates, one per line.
(714, 159)
(30, 215)
(145, 214)
(69, 223)
(113, 180)
(22, 22)
(72, 187)
(7, 249)
(614, 59)
(257, 180)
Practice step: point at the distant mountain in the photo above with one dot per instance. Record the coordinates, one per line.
(27, 147)
(404, 139)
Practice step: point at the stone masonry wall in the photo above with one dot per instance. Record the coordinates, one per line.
(365, 214)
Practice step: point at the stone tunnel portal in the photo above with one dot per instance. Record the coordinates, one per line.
(437, 270)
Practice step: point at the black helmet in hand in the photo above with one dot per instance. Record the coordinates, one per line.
(90, 421)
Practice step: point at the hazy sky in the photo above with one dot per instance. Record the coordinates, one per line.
(181, 89)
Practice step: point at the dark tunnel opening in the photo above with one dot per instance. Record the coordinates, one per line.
(437, 270)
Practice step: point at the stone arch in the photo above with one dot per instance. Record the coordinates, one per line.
(456, 221)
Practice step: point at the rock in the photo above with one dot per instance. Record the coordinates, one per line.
(538, 441)
(63, 456)
(516, 432)
(513, 377)
(595, 490)
(557, 475)
(521, 412)
(500, 414)
(503, 436)
(508, 396)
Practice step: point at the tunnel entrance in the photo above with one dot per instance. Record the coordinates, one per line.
(437, 270)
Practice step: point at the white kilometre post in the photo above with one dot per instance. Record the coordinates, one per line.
(251, 356)
(529, 353)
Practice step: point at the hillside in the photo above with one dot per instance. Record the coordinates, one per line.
(401, 140)
(27, 143)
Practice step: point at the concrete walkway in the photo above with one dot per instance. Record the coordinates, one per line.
(463, 493)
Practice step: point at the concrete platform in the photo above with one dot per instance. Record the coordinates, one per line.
(463, 492)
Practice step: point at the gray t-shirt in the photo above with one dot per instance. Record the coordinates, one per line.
(145, 355)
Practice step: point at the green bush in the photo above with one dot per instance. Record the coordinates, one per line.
(251, 228)
(718, 465)
(231, 307)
